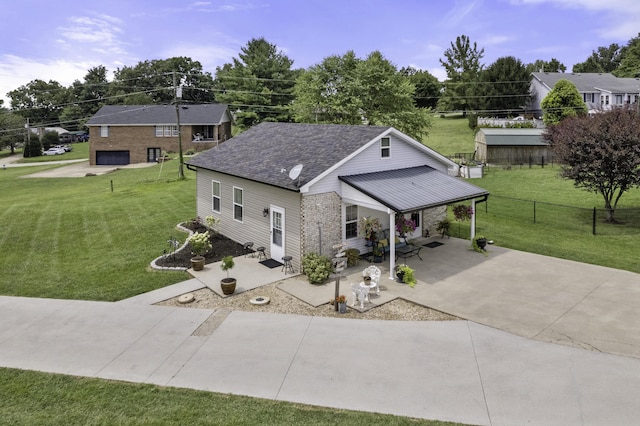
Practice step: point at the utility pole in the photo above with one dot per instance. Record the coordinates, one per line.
(175, 101)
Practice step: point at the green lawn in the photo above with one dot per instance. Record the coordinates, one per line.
(450, 135)
(75, 238)
(32, 398)
(80, 150)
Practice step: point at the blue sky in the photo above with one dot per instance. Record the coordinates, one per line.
(62, 39)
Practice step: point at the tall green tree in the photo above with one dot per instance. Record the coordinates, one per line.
(600, 153)
(348, 90)
(153, 82)
(40, 101)
(329, 92)
(258, 85)
(12, 129)
(427, 86)
(563, 101)
(87, 97)
(505, 86)
(630, 62)
(462, 62)
(605, 59)
(547, 66)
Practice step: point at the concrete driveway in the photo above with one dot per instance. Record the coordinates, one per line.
(76, 168)
(537, 297)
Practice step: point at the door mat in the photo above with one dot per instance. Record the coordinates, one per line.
(270, 263)
(433, 244)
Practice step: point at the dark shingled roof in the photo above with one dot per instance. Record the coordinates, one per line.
(136, 115)
(413, 188)
(267, 151)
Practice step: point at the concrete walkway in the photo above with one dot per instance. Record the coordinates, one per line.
(460, 371)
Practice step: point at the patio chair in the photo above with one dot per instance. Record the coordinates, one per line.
(360, 293)
(373, 272)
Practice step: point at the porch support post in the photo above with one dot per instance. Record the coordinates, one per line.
(392, 244)
(473, 219)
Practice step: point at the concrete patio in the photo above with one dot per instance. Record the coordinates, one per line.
(530, 295)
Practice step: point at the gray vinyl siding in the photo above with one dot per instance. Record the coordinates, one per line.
(256, 197)
(403, 155)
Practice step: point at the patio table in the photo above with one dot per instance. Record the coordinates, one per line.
(408, 251)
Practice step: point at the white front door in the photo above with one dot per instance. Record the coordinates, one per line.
(277, 233)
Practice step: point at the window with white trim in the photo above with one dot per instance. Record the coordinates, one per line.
(618, 99)
(351, 222)
(385, 147)
(104, 131)
(174, 131)
(167, 131)
(215, 196)
(159, 131)
(238, 204)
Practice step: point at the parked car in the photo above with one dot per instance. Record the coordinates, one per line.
(83, 138)
(67, 148)
(54, 151)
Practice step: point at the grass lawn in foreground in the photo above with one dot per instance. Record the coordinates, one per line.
(33, 398)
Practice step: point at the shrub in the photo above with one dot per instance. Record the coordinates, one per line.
(316, 267)
(212, 223)
(200, 243)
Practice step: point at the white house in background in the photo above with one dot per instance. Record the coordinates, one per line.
(300, 188)
(600, 91)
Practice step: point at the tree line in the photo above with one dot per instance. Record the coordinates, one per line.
(260, 84)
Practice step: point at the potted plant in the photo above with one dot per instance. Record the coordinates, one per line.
(342, 303)
(478, 244)
(369, 228)
(353, 255)
(228, 285)
(377, 254)
(405, 226)
(405, 275)
(200, 244)
(443, 227)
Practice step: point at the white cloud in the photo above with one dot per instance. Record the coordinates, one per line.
(210, 56)
(17, 71)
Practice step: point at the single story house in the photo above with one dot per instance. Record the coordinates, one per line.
(511, 146)
(600, 91)
(301, 188)
(124, 134)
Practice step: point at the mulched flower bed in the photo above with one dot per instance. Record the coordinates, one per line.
(222, 246)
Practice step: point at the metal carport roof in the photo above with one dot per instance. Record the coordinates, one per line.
(414, 188)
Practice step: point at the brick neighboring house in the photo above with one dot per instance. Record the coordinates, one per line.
(343, 173)
(600, 91)
(124, 134)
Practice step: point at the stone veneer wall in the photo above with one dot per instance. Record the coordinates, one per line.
(321, 218)
(431, 217)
